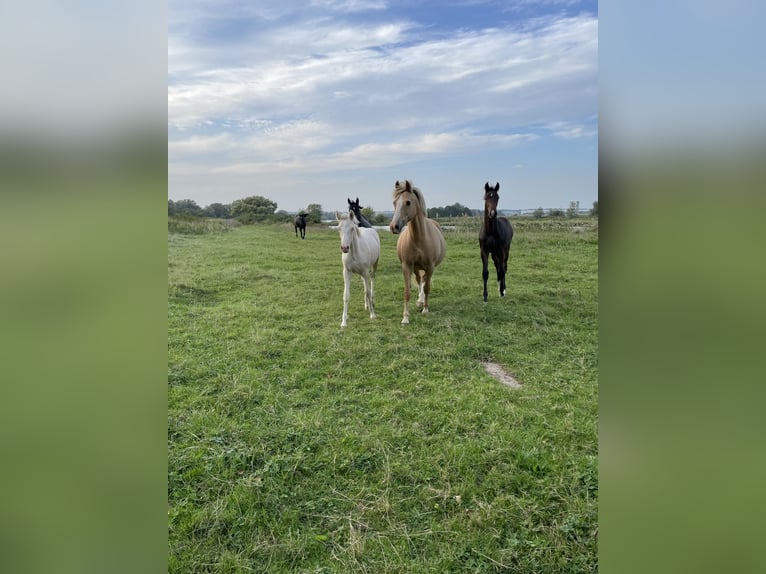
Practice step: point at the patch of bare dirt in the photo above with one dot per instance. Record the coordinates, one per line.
(499, 373)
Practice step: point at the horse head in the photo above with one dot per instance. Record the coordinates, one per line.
(354, 208)
(346, 229)
(408, 204)
(491, 198)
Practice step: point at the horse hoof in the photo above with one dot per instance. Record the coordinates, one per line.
(405, 321)
(343, 325)
(425, 310)
(373, 316)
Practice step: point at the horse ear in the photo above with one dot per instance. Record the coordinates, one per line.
(337, 215)
(408, 185)
(486, 186)
(397, 183)
(349, 200)
(357, 201)
(497, 186)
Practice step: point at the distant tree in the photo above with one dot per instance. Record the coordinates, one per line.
(574, 207)
(454, 210)
(314, 211)
(369, 213)
(594, 209)
(218, 210)
(282, 216)
(538, 213)
(187, 207)
(556, 212)
(252, 209)
(457, 210)
(380, 219)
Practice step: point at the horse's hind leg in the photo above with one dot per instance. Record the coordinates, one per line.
(369, 296)
(425, 289)
(346, 295)
(372, 290)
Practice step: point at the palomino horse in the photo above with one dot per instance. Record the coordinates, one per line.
(356, 209)
(300, 223)
(360, 251)
(420, 246)
(494, 239)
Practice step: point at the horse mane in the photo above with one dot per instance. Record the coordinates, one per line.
(344, 216)
(401, 187)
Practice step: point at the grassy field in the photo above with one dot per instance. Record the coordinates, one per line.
(296, 446)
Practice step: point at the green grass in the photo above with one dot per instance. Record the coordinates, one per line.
(296, 446)
(190, 225)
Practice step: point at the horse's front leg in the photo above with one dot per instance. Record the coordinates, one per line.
(346, 295)
(407, 273)
(502, 273)
(485, 271)
(421, 284)
(498, 261)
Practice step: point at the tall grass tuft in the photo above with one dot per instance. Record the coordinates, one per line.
(187, 225)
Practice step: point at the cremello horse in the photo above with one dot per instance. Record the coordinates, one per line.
(360, 251)
(421, 246)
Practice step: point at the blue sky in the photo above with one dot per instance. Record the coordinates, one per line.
(316, 101)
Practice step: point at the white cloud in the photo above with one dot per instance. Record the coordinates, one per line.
(349, 5)
(297, 93)
(369, 155)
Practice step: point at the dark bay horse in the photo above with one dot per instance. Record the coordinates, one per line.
(494, 239)
(300, 223)
(356, 209)
(421, 246)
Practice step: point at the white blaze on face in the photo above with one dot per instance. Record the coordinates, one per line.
(346, 229)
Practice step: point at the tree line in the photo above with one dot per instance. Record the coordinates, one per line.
(253, 209)
(258, 209)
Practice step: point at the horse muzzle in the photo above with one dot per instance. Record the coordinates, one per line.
(345, 248)
(395, 227)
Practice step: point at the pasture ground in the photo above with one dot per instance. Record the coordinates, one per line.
(295, 446)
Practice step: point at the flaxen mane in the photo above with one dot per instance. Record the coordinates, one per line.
(401, 187)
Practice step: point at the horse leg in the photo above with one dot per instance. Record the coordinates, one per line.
(296, 231)
(425, 289)
(504, 263)
(484, 271)
(407, 274)
(498, 261)
(372, 292)
(346, 295)
(421, 282)
(368, 295)
(303, 233)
